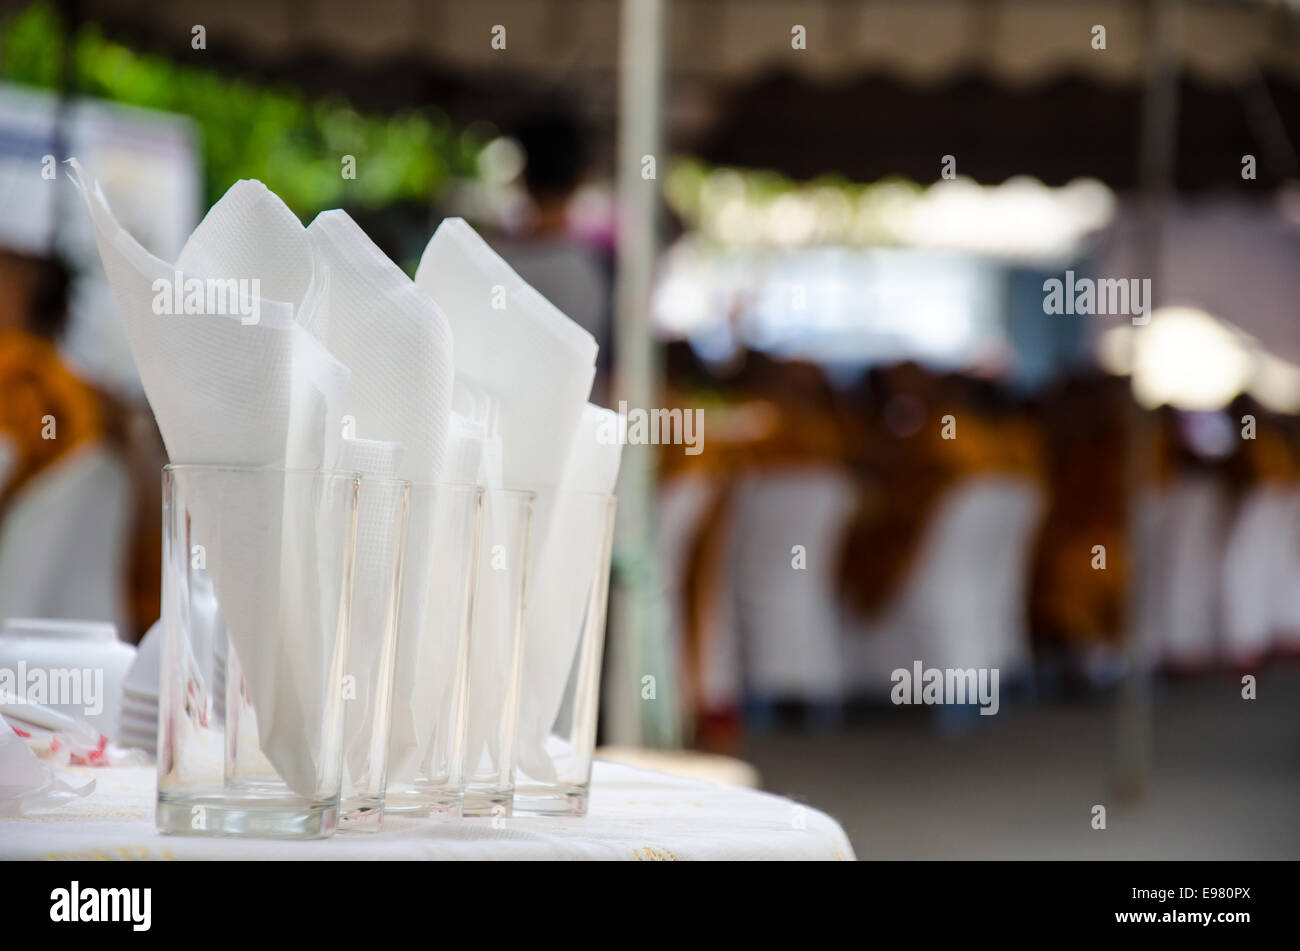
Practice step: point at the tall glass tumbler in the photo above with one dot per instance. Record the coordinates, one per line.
(496, 652)
(382, 514)
(429, 688)
(257, 588)
(565, 636)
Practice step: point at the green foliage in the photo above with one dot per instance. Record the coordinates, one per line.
(737, 206)
(276, 134)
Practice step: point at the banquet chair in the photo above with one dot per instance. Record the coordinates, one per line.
(964, 603)
(1259, 580)
(63, 541)
(1195, 524)
(681, 504)
(787, 615)
(1012, 510)
(1286, 603)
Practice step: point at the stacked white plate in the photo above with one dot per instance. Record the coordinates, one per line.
(138, 728)
(138, 720)
(138, 723)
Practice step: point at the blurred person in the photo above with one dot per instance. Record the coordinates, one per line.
(1261, 553)
(906, 466)
(763, 414)
(1072, 604)
(48, 412)
(1269, 456)
(570, 273)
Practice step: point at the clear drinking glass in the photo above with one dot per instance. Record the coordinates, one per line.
(496, 652)
(382, 514)
(565, 640)
(257, 588)
(435, 607)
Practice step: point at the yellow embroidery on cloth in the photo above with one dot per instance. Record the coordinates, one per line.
(655, 854)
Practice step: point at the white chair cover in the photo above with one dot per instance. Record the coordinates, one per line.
(63, 541)
(1259, 579)
(964, 603)
(786, 614)
(1196, 511)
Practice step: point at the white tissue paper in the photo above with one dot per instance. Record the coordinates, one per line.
(533, 367)
(226, 391)
(27, 783)
(398, 346)
(252, 233)
(394, 340)
(562, 582)
(513, 347)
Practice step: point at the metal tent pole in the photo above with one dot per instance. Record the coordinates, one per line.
(1159, 145)
(637, 711)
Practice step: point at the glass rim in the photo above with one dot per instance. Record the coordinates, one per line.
(517, 494)
(382, 481)
(353, 475)
(553, 491)
(263, 470)
(444, 484)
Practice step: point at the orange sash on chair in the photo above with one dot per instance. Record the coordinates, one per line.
(45, 410)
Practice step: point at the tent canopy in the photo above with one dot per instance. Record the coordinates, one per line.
(883, 86)
(925, 41)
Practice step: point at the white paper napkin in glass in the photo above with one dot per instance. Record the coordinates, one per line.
(561, 583)
(229, 392)
(515, 347)
(398, 345)
(533, 367)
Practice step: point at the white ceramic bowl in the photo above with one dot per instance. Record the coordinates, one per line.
(82, 663)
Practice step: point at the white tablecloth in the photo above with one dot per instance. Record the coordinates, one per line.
(634, 814)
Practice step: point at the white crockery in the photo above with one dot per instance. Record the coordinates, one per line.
(143, 679)
(52, 644)
(133, 704)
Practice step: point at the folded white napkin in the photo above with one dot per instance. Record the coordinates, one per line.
(229, 392)
(568, 566)
(252, 233)
(533, 367)
(515, 348)
(398, 346)
(394, 340)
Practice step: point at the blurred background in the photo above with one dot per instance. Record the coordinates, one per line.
(828, 226)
